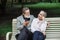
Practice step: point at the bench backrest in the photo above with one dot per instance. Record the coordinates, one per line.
(53, 32)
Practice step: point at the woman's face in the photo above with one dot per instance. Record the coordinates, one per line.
(40, 16)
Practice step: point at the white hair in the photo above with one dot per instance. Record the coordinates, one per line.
(44, 13)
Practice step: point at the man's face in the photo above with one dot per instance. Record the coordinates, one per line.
(27, 12)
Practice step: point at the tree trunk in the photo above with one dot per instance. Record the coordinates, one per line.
(59, 0)
(3, 6)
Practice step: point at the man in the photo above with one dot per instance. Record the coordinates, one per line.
(38, 26)
(24, 25)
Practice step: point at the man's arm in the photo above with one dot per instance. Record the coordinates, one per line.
(19, 25)
(32, 16)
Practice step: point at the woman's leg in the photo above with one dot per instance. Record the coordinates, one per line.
(35, 35)
(41, 36)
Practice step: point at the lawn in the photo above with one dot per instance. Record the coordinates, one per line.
(5, 27)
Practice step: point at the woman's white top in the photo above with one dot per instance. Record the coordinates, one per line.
(38, 25)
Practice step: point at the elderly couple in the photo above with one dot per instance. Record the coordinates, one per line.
(31, 28)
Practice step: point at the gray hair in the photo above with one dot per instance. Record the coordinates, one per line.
(24, 9)
(43, 12)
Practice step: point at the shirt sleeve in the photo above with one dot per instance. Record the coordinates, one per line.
(33, 26)
(32, 18)
(19, 25)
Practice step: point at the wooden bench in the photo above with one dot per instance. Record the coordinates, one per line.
(52, 33)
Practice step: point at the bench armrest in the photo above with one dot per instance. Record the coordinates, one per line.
(8, 35)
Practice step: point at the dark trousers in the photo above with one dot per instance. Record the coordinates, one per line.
(38, 36)
(25, 34)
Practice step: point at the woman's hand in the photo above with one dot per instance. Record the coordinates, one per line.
(48, 24)
(44, 33)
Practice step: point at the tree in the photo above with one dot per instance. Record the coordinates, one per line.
(20, 1)
(49, 1)
(3, 6)
(59, 0)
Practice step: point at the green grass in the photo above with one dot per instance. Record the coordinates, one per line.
(41, 5)
(4, 28)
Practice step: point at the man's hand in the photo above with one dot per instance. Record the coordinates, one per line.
(26, 23)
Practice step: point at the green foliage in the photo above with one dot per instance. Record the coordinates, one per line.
(45, 5)
(5, 27)
(40, 5)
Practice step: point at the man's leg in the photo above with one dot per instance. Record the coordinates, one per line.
(23, 34)
(30, 35)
